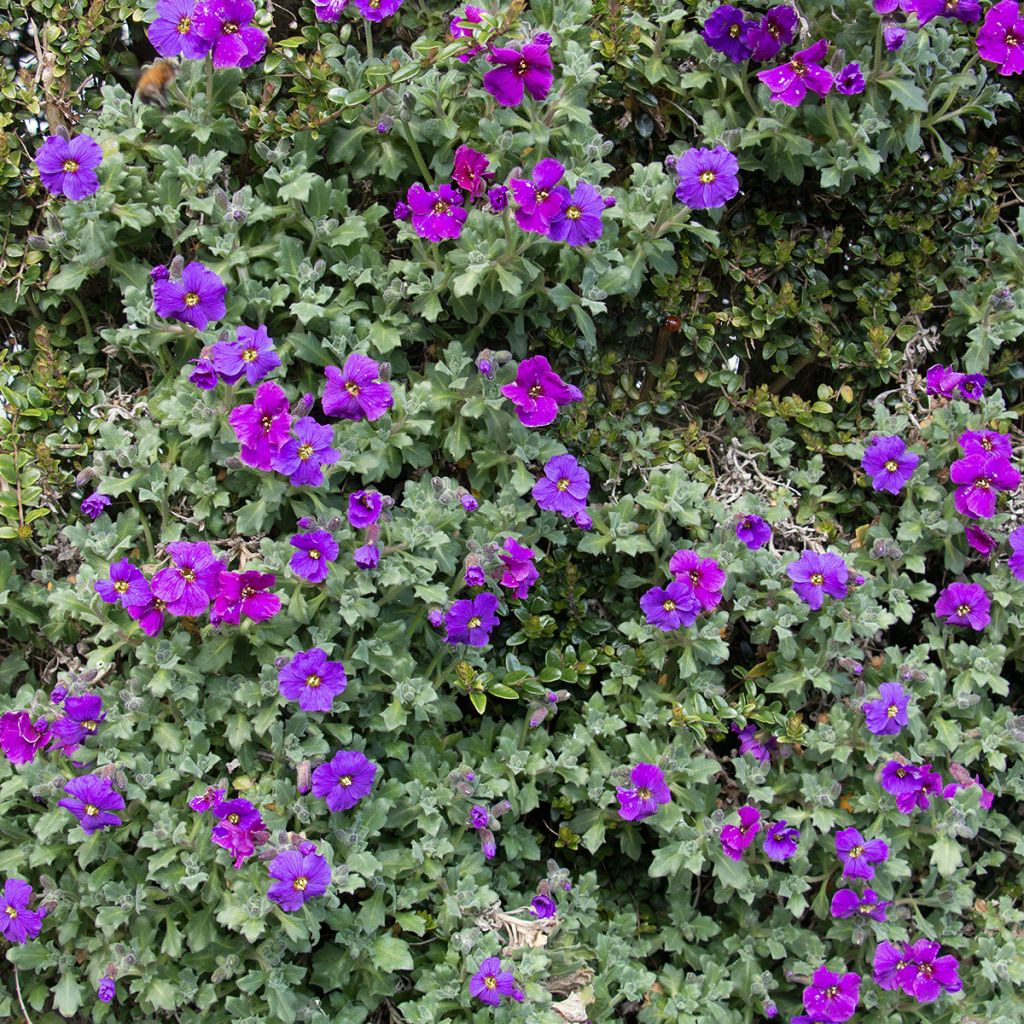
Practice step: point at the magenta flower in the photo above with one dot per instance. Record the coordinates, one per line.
(753, 531)
(251, 355)
(986, 442)
(490, 982)
(780, 840)
(367, 556)
(126, 585)
(18, 924)
(329, 10)
(775, 30)
(469, 503)
(846, 903)
(964, 604)
(1001, 38)
(927, 975)
(474, 576)
(106, 990)
(225, 25)
(893, 35)
(962, 10)
(81, 718)
(207, 800)
(889, 963)
(150, 615)
(707, 177)
(364, 508)
(858, 855)
(203, 375)
(301, 458)
(832, 997)
(912, 785)
(536, 197)
(299, 875)
(245, 593)
(850, 80)
(470, 171)
(262, 427)
(887, 715)
(963, 780)
(942, 381)
(1016, 559)
(725, 30)
(543, 906)
(736, 838)
(436, 215)
(470, 621)
(980, 541)
(790, 82)
(92, 800)
(377, 10)
(460, 28)
(191, 582)
(815, 574)
(520, 573)
(538, 392)
(239, 829)
(67, 167)
(578, 222)
(889, 464)
(669, 608)
(174, 32)
(196, 298)
(312, 680)
(344, 780)
(313, 555)
(704, 576)
(981, 478)
(356, 392)
(528, 69)
(564, 486)
(20, 737)
(479, 817)
(645, 794)
(749, 743)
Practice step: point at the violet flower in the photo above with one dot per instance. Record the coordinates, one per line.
(703, 575)
(364, 508)
(780, 840)
(94, 505)
(538, 392)
(437, 214)
(964, 604)
(311, 680)
(646, 793)
(887, 715)
(92, 800)
(225, 25)
(314, 553)
(753, 531)
(725, 30)
(298, 876)
(251, 355)
(244, 593)
(470, 621)
(490, 982)
(301, 458)
(174, 33)
(356, 392)
(859, 855)
(815, 574)
(344, 780)
(775, 30)
(536, 197)
(196, 298)
(81, 718)
(126, 585)
(18, 924)
(526, 70)
(847, 903)
(520, 573)
(790, 82)
(670, 607)
(736, 838)
(67, 167)
(564, 486)
(21, 738)
(889, 464)
(707, 177)
(578, 222)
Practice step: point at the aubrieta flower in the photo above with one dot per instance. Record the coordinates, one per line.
(887, 715)
(344, 780)
(964, 604)
(436, 214)
(980, 479)
(298, 876)
(749, 743)
(474, 576)
(470, 621)
(525, 70)
(986, 442)
(149, 615)
(780, 840)
(790, 82)
(191, 582)
(174, 32)
(196, 298)
(67, 167)
(239, 829)
(251, 355)
(367, 556)
(469, 171)
(377, 10)
(364, 508)
(538, 392)
(126, 585)
(313, 555)
(1016, 559)
(245, 593)
(850, 80)
(543, 906)
(847, 903)
(736, 838)
(704, 576)
(94, 505)
(18, 924)
(329, 10)
(962, 780)
(725, 30)
(21, 738)
(893, 35)
(356, 391)
(753, 531)
(775, 30)
(490, 983)
(917, 969)
(301, 458)
(92, 800)
(262, 427)
(889, 464)
(207, 800)
(459, 29)
(469, 503)
(578, 222)
(980, 541)
(312, 680)
(1001, 38)
(225, 25)
(942, 380)
(203, 375)
(536, 197)
(520, 573)
(645, 794)
(962, 10)
(497, 198)
(832, 997)
(564, 486)
(81, 718)
(815, 574)
(479, 817)
(707, 177)
(670, 607)
(912, 785)
(859, 855)
(106, 990)
(889, 963)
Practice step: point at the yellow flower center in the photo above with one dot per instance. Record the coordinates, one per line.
(707, 177)
(963, 609)
(473, 622)
(233, 818)
(440, 207)
(352, 388)
(491, 981)
(300, 883)
(734, 31)
(314, 555)
(1011, 39)
(249, 355)
(188, 575)
(694, 577)
(982, 483)
(535, 390)
(121, 586)
(799, 69)
(185, 26)
(266, 422)
(345, 780)
(191, 299)
(892, 711)
(70, 166)
(229, 28)
(522, 67)
(644, 793)
(10, 912)
(563, 484)
(247, 591)
(305, 451)
(669, 605)
(89, 725)
(817, 579)
(574, 213)
(856, 851)
(892, 465)
(91, 810)
(541, 194)
(313, 681)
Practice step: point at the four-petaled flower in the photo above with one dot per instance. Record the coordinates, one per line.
(344, 780)
(964, 604)
(312, 680)
(356, 391)
(645, 794)
(67, 167)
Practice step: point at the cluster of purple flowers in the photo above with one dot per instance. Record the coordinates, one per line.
(250, 355)
(696, 587)
(912, 785)
(239, 827)
(220, 29)
(917, 969)
(371, 10)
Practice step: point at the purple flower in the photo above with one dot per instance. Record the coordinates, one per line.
(197, 298)
(538, 392)
(474, 576)
(858, 855)
(469, 503)
(543, 906)
(912, 785)
(986, 442)
(707, 177)
(832, 997)
(775, 30)
(846, 903)
(344, 780)
(888, 463)
(931, 975)
(239, 829)
(364, 508)
(356, 392)
(329, 10)
(1016, 559)
(564, 486)
(490, 982)
(704, 576)
(126, 585)
(790, 82)
(645, 794)
(106, 990)
(377, 10)
(312, 680)
(749, 744)
(436, 215)
(850, 80)
(244, 593)
(497, 198)
(962, 10)
(479, 816)
(469, 171)
(982, 542)
(92, 799)
(191, 582)
(981, 478)
(815, 574)
(174, 32)
(224, 24)
(889, 963)
(458, 29)
(207, 800)
(470, 621)
(81, 718)
(942, 381)
(528, 69)
(262, 427)
(401, 211)
(149, 615)
(780, 840)
(887, 715)
(753, 531)
(20, 737)
(94, 505)
(18, 924)
(314, 553)
(893, 35)
(203, 375)
(251, 355)
(964, 604)
(725, 30)
(578, 222)
(298, 877)
(520, 573)
(536, 197)
(301, 458)
(68, 166)
(367, 556)
(669, 608)
(1001, 38)
(736, 838)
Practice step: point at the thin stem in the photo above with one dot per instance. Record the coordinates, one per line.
(21, 1002)
(369, 38)
(416, 153)
(209, 84)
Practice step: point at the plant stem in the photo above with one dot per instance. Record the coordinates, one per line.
(416, 153)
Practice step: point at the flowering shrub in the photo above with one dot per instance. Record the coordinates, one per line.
(511, 513)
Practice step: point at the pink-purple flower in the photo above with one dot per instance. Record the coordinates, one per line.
(831, 997)
(19, 924)
(377, 10)
(564, 486)
(646, 792)
(790, 82)
(736, 838)
(437, 214)
(703, 575)
(753, 531)
(225, 26)
(887, 715)
(980, 479)
(912, 785)
(469, 171)
(986, 442)
(174, 33)
(961, 10)
(725, 30)
(312, 680)
(528, 69)
(67, 167)
(889, 464)
(21, 738)
(519, 573)
(848, 903)
(1001, 37)
(195, 298)
(708, 178)
(356, 391)
(538, 392)
(364, 508)
(263, 426)
(126, 585)
(191, 582)
(536, 197)
(92, 799)
(460, 28)
(780, 840)
(670, 607)
(245, 594)
(470, 621)
(964, 604)
(302, 457)
(490, 983)
(344, 780)
(314, 553)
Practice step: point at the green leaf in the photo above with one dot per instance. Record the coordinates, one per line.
(391, 954)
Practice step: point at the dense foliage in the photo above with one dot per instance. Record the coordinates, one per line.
(717, 364)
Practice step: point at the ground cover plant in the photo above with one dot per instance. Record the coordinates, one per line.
(511, 512)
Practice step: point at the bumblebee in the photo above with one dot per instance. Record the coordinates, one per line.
(154, 81)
